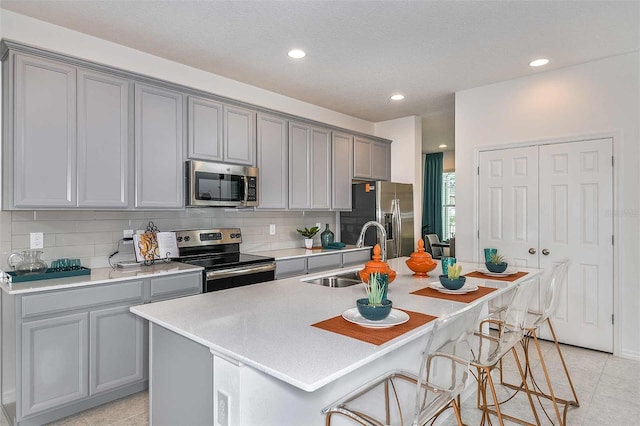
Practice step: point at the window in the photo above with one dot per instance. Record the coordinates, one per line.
(448, 205)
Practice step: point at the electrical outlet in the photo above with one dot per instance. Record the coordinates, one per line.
(318, 225)
(272, 229)
(127, 233)
(223, 409)
(36, 240)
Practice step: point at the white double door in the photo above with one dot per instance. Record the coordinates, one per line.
(539, 205)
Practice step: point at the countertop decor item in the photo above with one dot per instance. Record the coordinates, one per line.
(421, 262)
(48, 274)
(376, 265)
(374, 312)
(27, 262)
(308, 234)
(496, 263)
(326, 237)
(375, 306)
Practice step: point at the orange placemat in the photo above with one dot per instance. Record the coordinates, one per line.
(510, 278)
(464, 298)
(372, 335)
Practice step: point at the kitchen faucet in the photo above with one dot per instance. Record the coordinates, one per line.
(383, 232)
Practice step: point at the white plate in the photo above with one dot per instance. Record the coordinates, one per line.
(466, 288)
(395, 317)
(506, 273)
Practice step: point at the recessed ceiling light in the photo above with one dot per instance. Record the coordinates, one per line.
(397, 97)
(442, 146)
(297, 53)
(538, 62)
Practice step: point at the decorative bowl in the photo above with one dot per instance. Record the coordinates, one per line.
(373, 313)
(452, 283)
(496, 267)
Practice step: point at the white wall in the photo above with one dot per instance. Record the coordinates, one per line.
(449, 161)
(596, 98)
(406, 158)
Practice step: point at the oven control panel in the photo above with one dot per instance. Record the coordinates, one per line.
(205, 237)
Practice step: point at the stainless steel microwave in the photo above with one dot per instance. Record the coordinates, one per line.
(221, 185)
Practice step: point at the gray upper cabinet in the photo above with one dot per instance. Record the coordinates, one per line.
(159, 115)
(104, 148)
(371, 159)
(273, 154)
(320, 169)
(205, 129)
(239, 135)
(44, 133)
(309, 167)
(341, 171)
(299, 166)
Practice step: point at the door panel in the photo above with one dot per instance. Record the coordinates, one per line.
(576, 195)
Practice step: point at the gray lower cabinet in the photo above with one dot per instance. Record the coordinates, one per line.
(116, 353)
(286, 268)
(273, 163)
(75, 348)
(54, 362)
(341, 171)
(204, 138)
(43, 153)
(159, 115)
(371, 159)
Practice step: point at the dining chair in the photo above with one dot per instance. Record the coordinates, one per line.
(552, 284)
(489, 350)
(404, 398)
(430, 239)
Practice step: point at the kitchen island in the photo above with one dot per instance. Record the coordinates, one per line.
(250, 355)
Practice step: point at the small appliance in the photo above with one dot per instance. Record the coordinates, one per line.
(220, 185)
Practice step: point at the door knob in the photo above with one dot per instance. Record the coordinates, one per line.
(532, 251)
(545, 252)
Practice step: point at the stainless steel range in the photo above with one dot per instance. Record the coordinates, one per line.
(218, 252)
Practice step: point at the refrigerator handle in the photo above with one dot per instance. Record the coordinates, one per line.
(397, 224)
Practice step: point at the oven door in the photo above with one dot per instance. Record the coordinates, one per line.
(240, 276)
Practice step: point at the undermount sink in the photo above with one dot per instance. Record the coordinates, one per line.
(339, 280)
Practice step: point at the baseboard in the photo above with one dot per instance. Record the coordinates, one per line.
(634, 355)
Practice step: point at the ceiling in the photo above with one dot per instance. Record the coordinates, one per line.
(360, 52)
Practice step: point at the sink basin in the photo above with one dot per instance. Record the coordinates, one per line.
(342, 280)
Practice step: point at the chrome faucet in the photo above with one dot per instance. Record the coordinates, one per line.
(383, 239)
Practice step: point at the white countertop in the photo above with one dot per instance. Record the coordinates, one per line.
(98, 276)
(268, 326)
(282, 254)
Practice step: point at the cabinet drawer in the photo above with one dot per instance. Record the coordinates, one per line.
(59, 301)
(290, 267)
(326, 261)
(175, 286)
(355, 257)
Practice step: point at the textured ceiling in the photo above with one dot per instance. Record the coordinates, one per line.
(359, 52)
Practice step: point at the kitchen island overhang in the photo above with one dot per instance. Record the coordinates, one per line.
(268, 362)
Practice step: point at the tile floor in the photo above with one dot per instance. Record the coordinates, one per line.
(608, 388)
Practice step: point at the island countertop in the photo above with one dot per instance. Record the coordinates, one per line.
(267, 326)
(292, 253)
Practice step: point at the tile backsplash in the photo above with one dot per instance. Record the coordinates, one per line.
(93, 235)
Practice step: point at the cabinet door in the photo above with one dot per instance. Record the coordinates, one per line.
(104, 148)
(272, 162)
(205, 129)
(320, 169)
(158, 147)
(361, 158)
(115, 348)
(341, 171)
(44, 151)
(239, 135)
(54, 362)
(299, 166)
(175, 286)
(380, 161)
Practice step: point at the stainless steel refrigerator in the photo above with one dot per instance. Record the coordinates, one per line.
(389, 203)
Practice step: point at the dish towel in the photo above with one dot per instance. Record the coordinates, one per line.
(336, 245)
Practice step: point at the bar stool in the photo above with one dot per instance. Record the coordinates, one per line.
(443, 374)
(488, 351)
(551, 286)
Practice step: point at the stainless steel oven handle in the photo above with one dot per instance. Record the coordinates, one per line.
(245, 270)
